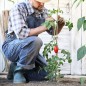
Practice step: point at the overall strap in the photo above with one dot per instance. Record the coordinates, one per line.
(27, 9)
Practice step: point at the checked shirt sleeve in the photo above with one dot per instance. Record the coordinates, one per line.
(18, 19)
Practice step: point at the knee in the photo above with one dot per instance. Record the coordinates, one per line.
(38, 42)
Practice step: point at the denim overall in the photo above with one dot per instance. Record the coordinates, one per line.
(25, 52)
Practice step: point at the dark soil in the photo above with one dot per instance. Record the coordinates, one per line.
(59, 82)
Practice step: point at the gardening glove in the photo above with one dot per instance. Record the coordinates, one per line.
(61, 23)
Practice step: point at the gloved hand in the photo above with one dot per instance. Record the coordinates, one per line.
(61, 23)
(33, 22)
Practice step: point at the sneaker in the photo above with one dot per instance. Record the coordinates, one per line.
(18, 75)
(34, 75)
(11, 71)
(19, 78)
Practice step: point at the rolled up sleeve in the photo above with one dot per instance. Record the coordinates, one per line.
(19, 25)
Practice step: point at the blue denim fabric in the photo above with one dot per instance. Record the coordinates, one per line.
(23, 51)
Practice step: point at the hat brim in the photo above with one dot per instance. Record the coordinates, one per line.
(43, 1)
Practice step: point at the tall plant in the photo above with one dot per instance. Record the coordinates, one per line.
(54, 61)
(81, 24)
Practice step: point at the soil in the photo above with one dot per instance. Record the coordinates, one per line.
(60, 82)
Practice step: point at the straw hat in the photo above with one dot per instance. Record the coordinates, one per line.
(44, 1)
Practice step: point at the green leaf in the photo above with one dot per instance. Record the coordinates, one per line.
(61, 63)
(69, 60)
(81, 52)
(80, 2)
(84, 25)
(64, 51)
(48, 24)
(74, 2)
(13, 1)
(82, 81)
(67, 23)
(70, 26)
(80, 22)
(61, 76)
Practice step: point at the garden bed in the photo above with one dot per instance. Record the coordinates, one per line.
(66, 81)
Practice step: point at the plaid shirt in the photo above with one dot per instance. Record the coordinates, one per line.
(17, 19)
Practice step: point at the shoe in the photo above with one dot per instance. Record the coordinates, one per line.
(18, 76)
(11, 71)
(34, 75)
(43, 73)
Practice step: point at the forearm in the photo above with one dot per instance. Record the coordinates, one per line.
(38, 30)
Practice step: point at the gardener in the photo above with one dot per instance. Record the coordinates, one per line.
(22, 43)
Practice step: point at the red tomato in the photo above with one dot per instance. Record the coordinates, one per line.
(56, 49)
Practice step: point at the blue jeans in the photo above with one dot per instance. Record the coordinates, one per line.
(23, 51)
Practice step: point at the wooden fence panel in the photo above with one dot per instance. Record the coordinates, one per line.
(3, 28)
(5, 16)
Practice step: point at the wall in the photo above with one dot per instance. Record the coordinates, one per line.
(84, 40)
(69, 40)
(78, 39)
(63, 37)
(2, 63)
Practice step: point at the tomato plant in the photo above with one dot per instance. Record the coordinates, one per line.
(54, 61)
